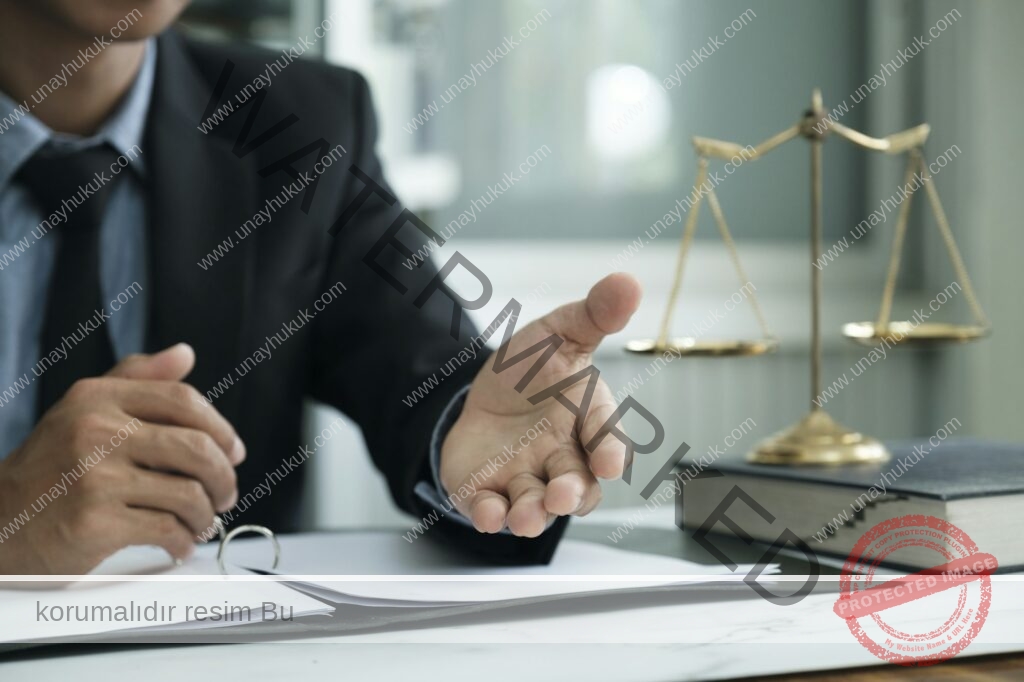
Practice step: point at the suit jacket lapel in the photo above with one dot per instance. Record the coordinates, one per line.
(200, 193)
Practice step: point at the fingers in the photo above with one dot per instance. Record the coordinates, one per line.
(183, 497)
(177, 404)
(527, 517)
(488, 511)
(485, 508)
(191, 453)
(571, 488)
(149, 527)
(167, 400)
(608, 459)
(171, 364)
(608, 306)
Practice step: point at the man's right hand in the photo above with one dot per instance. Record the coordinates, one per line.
(160, 485)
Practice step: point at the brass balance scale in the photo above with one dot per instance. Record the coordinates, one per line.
(817, 439)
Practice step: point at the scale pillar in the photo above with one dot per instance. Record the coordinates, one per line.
(817, 438)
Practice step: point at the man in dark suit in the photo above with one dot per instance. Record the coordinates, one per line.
(171, 292)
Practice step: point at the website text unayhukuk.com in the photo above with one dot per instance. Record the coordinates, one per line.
(868, 497)
(888, 206)
(477, 206)
(68, 205)
(469, 352)
(478, 478)
(681, 207)
(697, 331)
(69, 478)
(272, 206)
(887, 69)
(271, 479)
(477, 69)
(682, 70)
(880, 352)
(693, 471)
(67, 70)
(68, 343)
(213, 117)
(264, 352)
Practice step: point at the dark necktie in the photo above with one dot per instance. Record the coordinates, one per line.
(76, 185)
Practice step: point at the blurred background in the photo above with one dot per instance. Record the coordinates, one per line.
(593, 105)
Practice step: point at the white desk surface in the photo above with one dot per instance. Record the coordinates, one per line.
(683, 641)
(716, 640)
(447, 662)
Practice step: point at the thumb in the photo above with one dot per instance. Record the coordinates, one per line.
(606, 309)
(170, 364)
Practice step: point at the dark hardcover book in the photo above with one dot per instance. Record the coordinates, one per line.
(976, 485)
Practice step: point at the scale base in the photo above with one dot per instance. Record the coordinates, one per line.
(818, 440)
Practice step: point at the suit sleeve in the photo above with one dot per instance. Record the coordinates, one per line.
(389, 361)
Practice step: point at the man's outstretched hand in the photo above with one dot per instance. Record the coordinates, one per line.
(551, 475)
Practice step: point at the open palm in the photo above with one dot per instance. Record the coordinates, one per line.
(521, 463)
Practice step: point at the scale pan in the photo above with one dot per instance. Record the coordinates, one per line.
(906, 333)
(687, 345)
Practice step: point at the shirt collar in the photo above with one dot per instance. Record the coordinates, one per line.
(124, 129)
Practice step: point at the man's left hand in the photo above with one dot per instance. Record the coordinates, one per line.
(510, 463)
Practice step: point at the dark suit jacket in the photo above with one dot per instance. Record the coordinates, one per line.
(366, 350)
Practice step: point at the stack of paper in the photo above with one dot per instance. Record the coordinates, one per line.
(366, 579)
(140, 588)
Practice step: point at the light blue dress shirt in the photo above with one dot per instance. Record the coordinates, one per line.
(26, 263)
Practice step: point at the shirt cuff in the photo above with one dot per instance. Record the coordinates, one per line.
(432, 492)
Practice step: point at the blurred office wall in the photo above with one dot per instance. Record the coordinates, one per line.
(580, 98)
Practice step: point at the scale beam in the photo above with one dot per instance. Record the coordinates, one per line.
(897, 143)
(720, 149)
